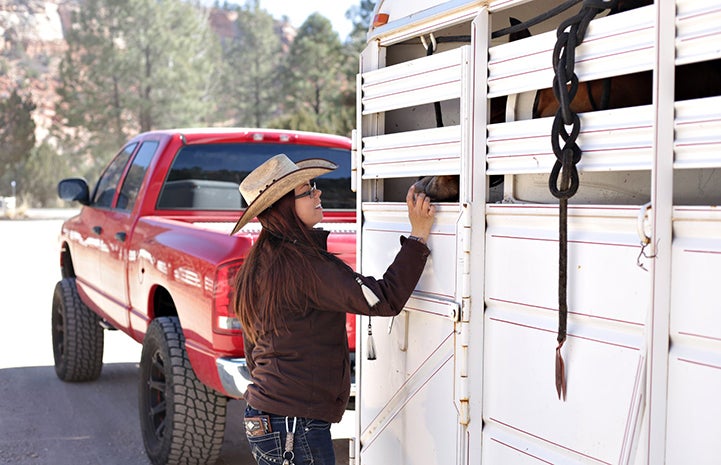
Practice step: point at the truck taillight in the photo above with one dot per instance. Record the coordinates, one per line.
(224, 319)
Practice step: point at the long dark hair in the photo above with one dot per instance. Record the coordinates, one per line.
(278, 275)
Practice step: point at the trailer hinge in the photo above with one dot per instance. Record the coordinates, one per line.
(463, 325)
(464, 418)
(462, 358)
(466, 223)
(465, 233)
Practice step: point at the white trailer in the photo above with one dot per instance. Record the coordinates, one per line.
(465, 374)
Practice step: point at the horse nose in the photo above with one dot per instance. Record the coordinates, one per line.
(422, 185)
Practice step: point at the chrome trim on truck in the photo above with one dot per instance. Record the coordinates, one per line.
(234, 375)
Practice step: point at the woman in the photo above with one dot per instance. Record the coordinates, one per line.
(292, 297)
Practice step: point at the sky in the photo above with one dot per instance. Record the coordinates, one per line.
(298, 10)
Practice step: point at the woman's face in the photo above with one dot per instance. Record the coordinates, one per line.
(307, 204)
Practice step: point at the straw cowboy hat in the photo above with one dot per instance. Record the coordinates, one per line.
(266, 184)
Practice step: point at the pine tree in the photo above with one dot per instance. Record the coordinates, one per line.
(251, 86)
(40, 175)
(361, 17)
(313, 73)
(345, 100)
(17, 134)
(133, 66)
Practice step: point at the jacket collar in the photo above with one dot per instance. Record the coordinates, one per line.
(320, 237)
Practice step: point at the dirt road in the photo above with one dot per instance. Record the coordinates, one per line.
(44, 421)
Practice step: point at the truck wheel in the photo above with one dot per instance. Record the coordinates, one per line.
(181, 419)
(77, 335)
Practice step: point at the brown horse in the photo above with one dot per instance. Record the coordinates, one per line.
(442, 188)
(694, 80)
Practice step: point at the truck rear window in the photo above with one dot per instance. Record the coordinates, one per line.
(206, 177)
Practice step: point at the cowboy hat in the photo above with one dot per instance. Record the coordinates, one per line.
(277, 176)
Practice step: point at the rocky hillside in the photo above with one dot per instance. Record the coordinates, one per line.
(32, 44)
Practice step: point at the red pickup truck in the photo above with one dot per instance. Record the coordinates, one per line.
(150, 254)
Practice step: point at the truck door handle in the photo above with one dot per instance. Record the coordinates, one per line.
(121, 236)
(97, 230)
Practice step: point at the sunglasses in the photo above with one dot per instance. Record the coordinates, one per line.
(309, 193)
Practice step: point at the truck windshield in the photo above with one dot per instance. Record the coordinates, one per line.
(207, 176)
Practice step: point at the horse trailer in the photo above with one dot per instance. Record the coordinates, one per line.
(568, 312)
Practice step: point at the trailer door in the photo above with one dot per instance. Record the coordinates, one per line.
(414, 405)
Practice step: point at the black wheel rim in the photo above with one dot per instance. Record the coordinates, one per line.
(156, 395)
(59, 332)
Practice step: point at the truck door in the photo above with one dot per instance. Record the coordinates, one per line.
(413, 399)
(87, 238)
(119, 225)
(93, 248)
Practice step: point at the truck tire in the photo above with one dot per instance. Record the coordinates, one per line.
(77, 335)
(182, 420)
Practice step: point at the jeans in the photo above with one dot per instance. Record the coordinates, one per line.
(312, 443)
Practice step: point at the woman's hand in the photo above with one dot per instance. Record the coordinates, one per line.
(421, 213)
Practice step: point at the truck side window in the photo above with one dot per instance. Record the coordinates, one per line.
(108, 182)
(136, 174)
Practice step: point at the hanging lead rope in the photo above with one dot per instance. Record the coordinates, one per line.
(430, 48)
(565, 86)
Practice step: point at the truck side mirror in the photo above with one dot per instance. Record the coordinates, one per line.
(74, 189)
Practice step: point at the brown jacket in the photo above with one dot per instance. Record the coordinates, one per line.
(306, 372)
